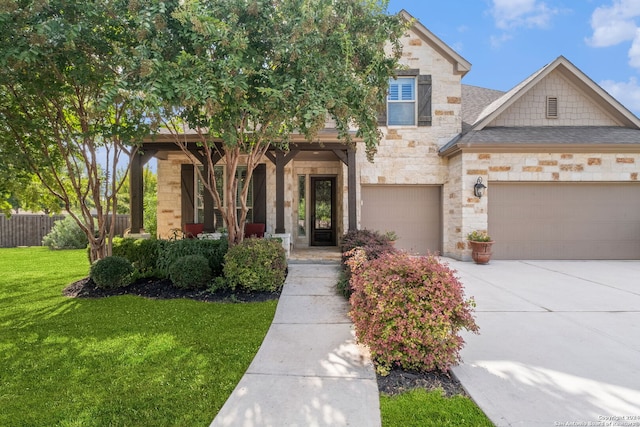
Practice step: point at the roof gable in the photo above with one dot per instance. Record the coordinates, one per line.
(610, 106)
(461, 65)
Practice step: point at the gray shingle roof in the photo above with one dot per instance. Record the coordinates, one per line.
(474, 100)
(553, 135)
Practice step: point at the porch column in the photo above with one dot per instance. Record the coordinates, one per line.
(136, 188)
(280, 160)
(349, 159)
(352, 183)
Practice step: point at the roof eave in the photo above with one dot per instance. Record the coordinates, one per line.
(462, 66)
(462, 147)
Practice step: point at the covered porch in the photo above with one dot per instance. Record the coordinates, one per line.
(289, 187)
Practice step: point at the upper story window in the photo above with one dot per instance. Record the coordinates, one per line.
(408, 101)
(401, 102)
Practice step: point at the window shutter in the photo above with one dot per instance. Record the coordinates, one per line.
(187, 190)
(260, 194)
(424, 100)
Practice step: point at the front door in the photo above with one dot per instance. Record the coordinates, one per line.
(323, 211)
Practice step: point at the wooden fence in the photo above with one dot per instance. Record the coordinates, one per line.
(29, 229)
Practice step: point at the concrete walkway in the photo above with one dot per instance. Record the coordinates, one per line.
(309, 371)
(559, 342)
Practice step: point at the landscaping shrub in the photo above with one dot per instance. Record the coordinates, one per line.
(142, 253)
(111, 272)
(213, 250)
(256, 265)
(66, 234)
(374, 245)
(190, 272)
(408, 311)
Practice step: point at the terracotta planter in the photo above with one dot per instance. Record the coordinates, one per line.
(481, 251)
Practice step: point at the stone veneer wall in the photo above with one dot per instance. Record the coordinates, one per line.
(409, 155)
(574, 108)
(452, 196)
(169, 194)
(525, 167)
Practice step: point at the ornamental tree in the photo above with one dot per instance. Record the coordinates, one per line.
(68, 96)
(243, 75)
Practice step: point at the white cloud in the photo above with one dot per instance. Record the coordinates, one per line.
(614, 24)
(628, 93)
(497, 41)
(509, 14)
(634, 51)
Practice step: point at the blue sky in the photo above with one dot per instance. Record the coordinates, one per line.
(508, 40)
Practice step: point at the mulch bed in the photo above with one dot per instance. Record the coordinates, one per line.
(398, 381)
(162, 289)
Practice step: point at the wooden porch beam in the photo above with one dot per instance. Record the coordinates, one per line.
(340, 154)
(136, 187)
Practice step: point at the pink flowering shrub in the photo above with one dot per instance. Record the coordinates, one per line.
(409, 311)
(374, 245)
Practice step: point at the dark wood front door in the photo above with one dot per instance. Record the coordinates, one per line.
(323, 211)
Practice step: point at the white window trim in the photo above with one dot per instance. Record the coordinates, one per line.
(414, 101)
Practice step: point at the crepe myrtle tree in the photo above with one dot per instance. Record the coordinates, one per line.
(68, 102)
(244, 75)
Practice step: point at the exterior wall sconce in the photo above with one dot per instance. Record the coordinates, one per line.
(478, 188)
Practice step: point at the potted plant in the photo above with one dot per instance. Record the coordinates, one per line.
(391, 236)
(480, 246)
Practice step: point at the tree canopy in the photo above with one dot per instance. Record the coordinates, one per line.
(245, 75)
(67, 91)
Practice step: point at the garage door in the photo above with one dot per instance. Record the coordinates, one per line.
(565, 220)
(414, 212)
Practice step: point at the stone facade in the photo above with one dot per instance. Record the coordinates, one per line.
(524, 167)
(410, 155)
(169, 195)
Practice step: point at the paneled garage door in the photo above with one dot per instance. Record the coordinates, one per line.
(565, 220)
(413, 211)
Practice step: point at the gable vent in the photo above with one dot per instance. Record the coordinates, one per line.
(552, 107)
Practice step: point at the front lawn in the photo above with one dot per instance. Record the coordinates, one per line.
(114, 361)
(421, 408)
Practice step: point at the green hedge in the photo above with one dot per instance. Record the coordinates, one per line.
(212, 250)
(256, 265)
(142, 253)
(111, 272)
(190, 272)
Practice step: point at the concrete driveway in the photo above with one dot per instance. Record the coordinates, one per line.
(559, 342)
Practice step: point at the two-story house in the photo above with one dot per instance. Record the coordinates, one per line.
(559, 158)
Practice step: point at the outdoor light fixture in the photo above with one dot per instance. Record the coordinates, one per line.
(478, 189)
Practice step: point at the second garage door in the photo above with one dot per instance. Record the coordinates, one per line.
(565, 220)
(413, 211)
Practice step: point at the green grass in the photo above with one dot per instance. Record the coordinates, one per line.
(118, 361)
(420, 408)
